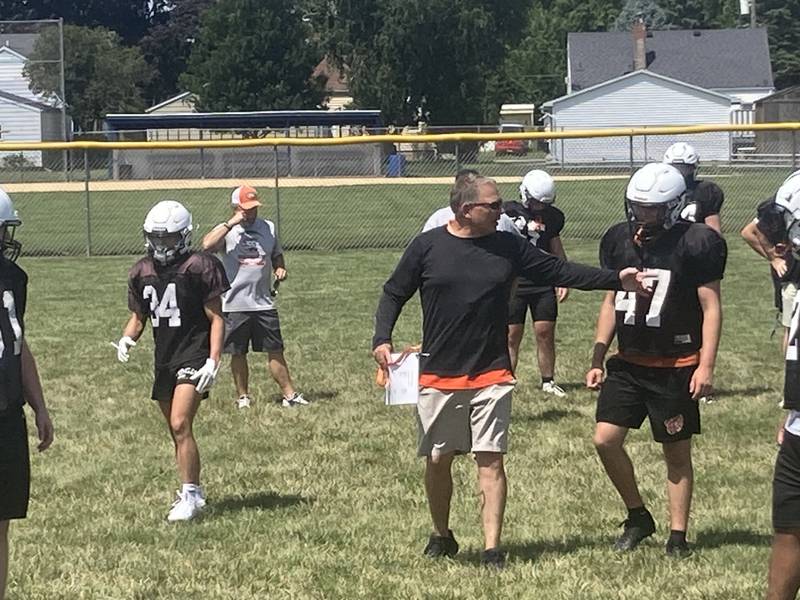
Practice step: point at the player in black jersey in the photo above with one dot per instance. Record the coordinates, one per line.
(20, 385)
(667, 344)
(784, 565)
(704, 198)
(540, 223)
(179, 292)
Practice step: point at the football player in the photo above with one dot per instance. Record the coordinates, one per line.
(667, 345)
(20, 385)
(179, 292)
(784, 564)
(703, 198)
(766, 236)
(540, 223)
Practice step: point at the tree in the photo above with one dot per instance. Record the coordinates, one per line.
(167, 46)
(701, 14)
(101, 75)
(653, 15)
(129, 18)
(781, 18)
(434, 57)
(254, 55)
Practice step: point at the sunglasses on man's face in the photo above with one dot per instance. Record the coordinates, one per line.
(490, 205)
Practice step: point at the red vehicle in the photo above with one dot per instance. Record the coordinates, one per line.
(517, 147)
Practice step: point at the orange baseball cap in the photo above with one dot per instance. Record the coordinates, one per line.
(245, 197)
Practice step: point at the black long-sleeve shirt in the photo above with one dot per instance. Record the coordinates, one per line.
(464, 286)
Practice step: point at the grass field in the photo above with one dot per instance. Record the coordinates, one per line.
(327, 502)
(332, 218)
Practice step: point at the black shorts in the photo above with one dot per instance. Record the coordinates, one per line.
(261, 329)
(632, 392)
(786, 484)
(166, 378)
(543, 307)
(15, 469)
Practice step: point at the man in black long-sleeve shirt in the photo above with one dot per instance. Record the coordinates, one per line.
(464, 272)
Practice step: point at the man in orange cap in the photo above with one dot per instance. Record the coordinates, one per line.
(252, 255)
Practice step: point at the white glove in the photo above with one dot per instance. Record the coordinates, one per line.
(124, 344)
(689, 212)
(204, 377)
(521, 224)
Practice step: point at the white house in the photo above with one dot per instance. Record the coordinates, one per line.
(24, 116)
(637, 99)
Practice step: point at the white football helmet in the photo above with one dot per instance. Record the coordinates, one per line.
(654, 199)
(681, 153)
(167, 231)
(537, 185)
(788, 198)
(9, 221)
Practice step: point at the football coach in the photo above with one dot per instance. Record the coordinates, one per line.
(464, 273)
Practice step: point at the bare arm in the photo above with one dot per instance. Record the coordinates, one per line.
(213, 241)
(213, 310)
(279, 267)
(32, 392)
(604, 335)
(755, 240)
(711, 305)
(134, 327)
(714, 222)
(557, 248)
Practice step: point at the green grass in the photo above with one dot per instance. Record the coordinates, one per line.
(327, 502)
(331, 218)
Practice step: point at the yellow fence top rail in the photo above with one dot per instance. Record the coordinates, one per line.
(398, 138)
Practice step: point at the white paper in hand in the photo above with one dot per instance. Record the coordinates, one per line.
(403, 385)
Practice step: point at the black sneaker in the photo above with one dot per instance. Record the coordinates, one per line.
(636, 529)
(441, 546)
(493, 558)
(678, 549)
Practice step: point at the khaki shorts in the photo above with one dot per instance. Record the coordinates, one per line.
(463, 421)
(788, 292)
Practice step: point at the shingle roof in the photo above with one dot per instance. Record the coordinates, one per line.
(25, 101)
(19, 42)
(708, 58)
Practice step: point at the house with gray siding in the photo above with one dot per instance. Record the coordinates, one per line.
(24, 115)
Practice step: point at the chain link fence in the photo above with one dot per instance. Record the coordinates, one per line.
(369, 194)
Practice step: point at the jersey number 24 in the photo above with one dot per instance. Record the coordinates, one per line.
(165, 308)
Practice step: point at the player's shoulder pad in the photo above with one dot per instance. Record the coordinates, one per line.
(141, 267)
(514, 209)
(699, 239)
(616, 233)
(200, 261)
(14, 270)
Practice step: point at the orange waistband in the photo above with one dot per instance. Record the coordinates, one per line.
(466, 382)
(661, 362)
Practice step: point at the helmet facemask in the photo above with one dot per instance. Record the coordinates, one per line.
(9, 247)
(165, 247)
(649, 220)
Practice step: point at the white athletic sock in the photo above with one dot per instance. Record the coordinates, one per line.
(191, 488)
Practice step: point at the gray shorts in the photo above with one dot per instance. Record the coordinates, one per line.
(788, 292)
(260, 329)
(464, 421)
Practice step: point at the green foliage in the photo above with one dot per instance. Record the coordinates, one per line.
(101, 75)
(781, 18)
(167, 46)
(701, 14)
(648, 10)
(253, 55)
(129, 18)
(432, 60)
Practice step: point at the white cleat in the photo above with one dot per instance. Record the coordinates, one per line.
(296, 400)
(243, 401)
(186, 507)
(551, 387)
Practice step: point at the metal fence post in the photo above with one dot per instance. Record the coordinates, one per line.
(458, 158)
(630, 152)
(794, 148)
(277, 194)
(86, 176)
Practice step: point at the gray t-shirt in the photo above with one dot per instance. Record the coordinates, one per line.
(248, 255)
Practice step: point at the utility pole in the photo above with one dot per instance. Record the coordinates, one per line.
(752, 14)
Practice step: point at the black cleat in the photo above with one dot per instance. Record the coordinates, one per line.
(493, 558)
(636, 529)
(678, 549)
(441, 546)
